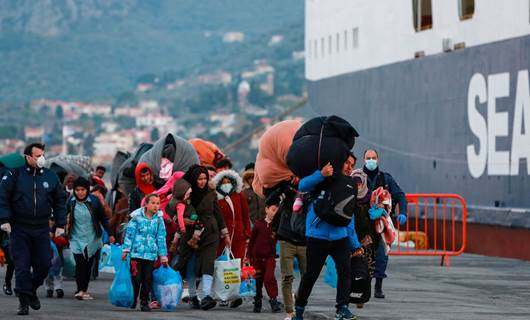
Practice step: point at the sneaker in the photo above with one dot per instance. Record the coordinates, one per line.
(257, 305)
(236, 303)
(7, 289)
(186, 299)
(223, 303)
(145, 308)
(23, 306)
(343, 313)
(194, 303)
(49, 293)
(298, 313)
(34, 301)
(154, 305)
(208, 303)
(60, 293)
(275, 306)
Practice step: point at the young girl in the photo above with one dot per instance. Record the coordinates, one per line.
(145, 240)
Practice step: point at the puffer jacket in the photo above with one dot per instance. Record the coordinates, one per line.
(29, 196)
(319, 229)
(145, 238)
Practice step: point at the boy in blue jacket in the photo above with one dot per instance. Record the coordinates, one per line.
(325, 239)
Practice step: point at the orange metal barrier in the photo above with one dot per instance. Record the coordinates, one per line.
(436, 226)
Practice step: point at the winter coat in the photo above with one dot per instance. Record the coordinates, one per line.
(96, 212)
(234, 206)
(263, 240)
(29, 196)
(319, 229)
(145, 238)
(271, 167)
(284, 218)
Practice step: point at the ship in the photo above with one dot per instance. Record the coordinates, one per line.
(441, 90)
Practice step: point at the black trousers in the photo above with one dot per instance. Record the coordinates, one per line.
(142, 279)
(83, 270)
(317, 252)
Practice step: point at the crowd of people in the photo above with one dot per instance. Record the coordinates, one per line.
(186, 221)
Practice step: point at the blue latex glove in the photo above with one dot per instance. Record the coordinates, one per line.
(402, 219)
(375, 213)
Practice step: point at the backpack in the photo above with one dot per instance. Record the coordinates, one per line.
(361, 288)
(337, 200)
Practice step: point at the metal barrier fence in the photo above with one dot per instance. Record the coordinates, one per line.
(436, 226)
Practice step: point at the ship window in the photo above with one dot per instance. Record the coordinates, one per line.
(316, 49)
(466, 9)
(338, 42)
(355, 37)
(309, 51)
(329, 45)
(345, 39)
(422, 14)
(323, 47)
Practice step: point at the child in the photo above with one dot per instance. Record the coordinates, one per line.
(145, 240)
(10, 269)
(183, 214)
(262, 252)
(54, 281)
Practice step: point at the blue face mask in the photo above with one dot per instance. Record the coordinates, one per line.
(371, 164)
(226, 187)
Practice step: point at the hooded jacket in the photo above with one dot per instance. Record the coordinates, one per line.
(256, 205)
(145, 238)
(233, 206)
(142, 189)
(29, 196)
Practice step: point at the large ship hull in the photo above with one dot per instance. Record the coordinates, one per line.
(416, 114)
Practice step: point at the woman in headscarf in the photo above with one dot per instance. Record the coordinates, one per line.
(200, 262)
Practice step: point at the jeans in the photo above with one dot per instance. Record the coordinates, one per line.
(317, 252)
(381, 261)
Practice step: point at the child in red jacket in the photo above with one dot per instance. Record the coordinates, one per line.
(262, 253)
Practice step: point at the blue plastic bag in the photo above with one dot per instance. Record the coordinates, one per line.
(121, 292)
(115, 254)
(167, 284)
(68, 264)
(248, 288)
(56, 263)
(330, 277)
(105, 261)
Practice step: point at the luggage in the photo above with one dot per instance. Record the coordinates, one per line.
(167, 285)
(361, 288)
(319, 141)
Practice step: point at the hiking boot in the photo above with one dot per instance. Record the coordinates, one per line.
(34, 301)
(236, 303)
(195, 303)
(343, 313)
(23, 305)
(257, 305)
(275, 306)
(379, 288)
(7, 289)
(49, 293)
(298, 313)
(207, 303)
(60, 293)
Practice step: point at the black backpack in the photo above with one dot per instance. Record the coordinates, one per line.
(337, 199)
(361, 288)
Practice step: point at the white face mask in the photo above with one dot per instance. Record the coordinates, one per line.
(226, 187)
(41, 162)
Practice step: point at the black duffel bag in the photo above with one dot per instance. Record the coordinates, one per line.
(361, 288)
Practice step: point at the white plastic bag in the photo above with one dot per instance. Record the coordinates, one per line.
(227, 277)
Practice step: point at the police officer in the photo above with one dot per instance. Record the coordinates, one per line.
(375, 179)
(28, 197)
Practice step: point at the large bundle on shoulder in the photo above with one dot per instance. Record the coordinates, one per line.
(271, 166)
(208, 152)
(62, 165)
(319, 141)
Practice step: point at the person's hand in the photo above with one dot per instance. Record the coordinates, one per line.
(375, 213)
(402, 219)
(228, 243)
(124, 256)
(327, 171)
(164, 261)
(112, 239)
(59, 232)
(358, 252)
(6, 227)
